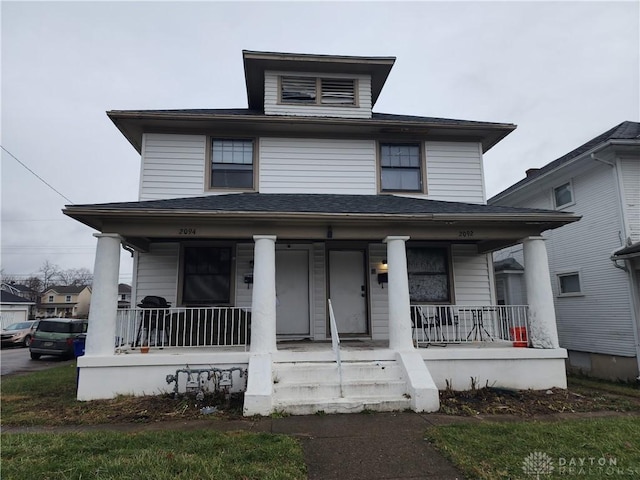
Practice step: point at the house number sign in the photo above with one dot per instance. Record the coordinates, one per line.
(187, 231)
(465, 234)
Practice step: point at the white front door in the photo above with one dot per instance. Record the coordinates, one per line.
(292, 292)
(348, 291)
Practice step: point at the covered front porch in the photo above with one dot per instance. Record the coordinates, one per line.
(412, 305)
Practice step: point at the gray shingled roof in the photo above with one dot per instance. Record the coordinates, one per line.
(246, 112)
(624, 131)
(67, 289)
(507, 264)
(8, 297)
(312, 203)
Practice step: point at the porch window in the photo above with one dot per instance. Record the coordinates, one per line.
(428, 270)
(400, 168)
(232, 163)
(207, 276)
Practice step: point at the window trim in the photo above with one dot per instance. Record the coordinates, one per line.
(318, 102)
(423, 166)
(232, 273)
(447, 248)
(553, 195)
(209, 163)
(569, 273)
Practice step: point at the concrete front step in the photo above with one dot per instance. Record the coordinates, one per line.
(309, 372)
(342, 405)
(394, 388)
(301, 388)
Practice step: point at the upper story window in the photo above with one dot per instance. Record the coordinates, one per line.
(232, 163)
(317, 91)
(563, 195)
(67, 298)
(50, 299)
(400, 167)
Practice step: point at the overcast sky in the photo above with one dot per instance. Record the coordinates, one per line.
(563, 72)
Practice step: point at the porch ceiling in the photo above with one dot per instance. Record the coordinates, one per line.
(316, 217)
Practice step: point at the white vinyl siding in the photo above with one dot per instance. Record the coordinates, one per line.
(173, 166)
(157, 272)
(319, 305)
(300, 165)
(244, 259)
(362, 109)
(630, 173)
(600, 320)
(454, 172)
(378, 294)
(471, 278)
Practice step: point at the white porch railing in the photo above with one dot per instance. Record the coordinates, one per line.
(335, 343)
(446, 324)
(183, 327)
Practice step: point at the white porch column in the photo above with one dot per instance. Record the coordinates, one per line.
(263, 301)
(101, 332)
(542, 316)
(398, 293)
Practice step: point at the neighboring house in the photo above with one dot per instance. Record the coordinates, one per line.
(124, 295)
(22, 291)
(65, 301)
(13, 308)
(250, 220)
(595, 263)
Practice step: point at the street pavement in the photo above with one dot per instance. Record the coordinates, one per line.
(14, 360)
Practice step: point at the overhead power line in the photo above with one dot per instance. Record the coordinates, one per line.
(36, 175)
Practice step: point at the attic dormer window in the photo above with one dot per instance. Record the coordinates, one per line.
(317, 91)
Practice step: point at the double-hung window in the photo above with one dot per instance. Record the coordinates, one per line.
(317, 91)
(428, 271)
(400, 167)
(206, 276)
(232, 163)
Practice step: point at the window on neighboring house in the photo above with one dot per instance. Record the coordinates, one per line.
(123, 297)
(400, 167)
(563, 195)
(50, 299)
(428, 270)
(569, 283)
(232, 163)
(206, 276)
(67, 298)
(317, 91)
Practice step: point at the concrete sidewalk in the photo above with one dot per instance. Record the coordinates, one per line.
(356, 446)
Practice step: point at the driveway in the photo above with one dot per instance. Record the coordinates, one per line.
(17, 360)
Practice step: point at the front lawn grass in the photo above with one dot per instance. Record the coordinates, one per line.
(154, 455)
(49, 398)
(499, 450)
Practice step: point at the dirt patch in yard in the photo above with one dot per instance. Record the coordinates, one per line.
(587, 397)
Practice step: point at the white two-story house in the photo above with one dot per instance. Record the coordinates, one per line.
(327, 249)
(594, 263)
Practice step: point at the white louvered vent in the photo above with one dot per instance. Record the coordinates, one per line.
(338, 91)
(298, 90)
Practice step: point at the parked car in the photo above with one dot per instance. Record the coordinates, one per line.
(19, 333)
(55, 336)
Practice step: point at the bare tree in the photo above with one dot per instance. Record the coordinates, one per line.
(75, 276)
(49, 273)
(35, 286)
